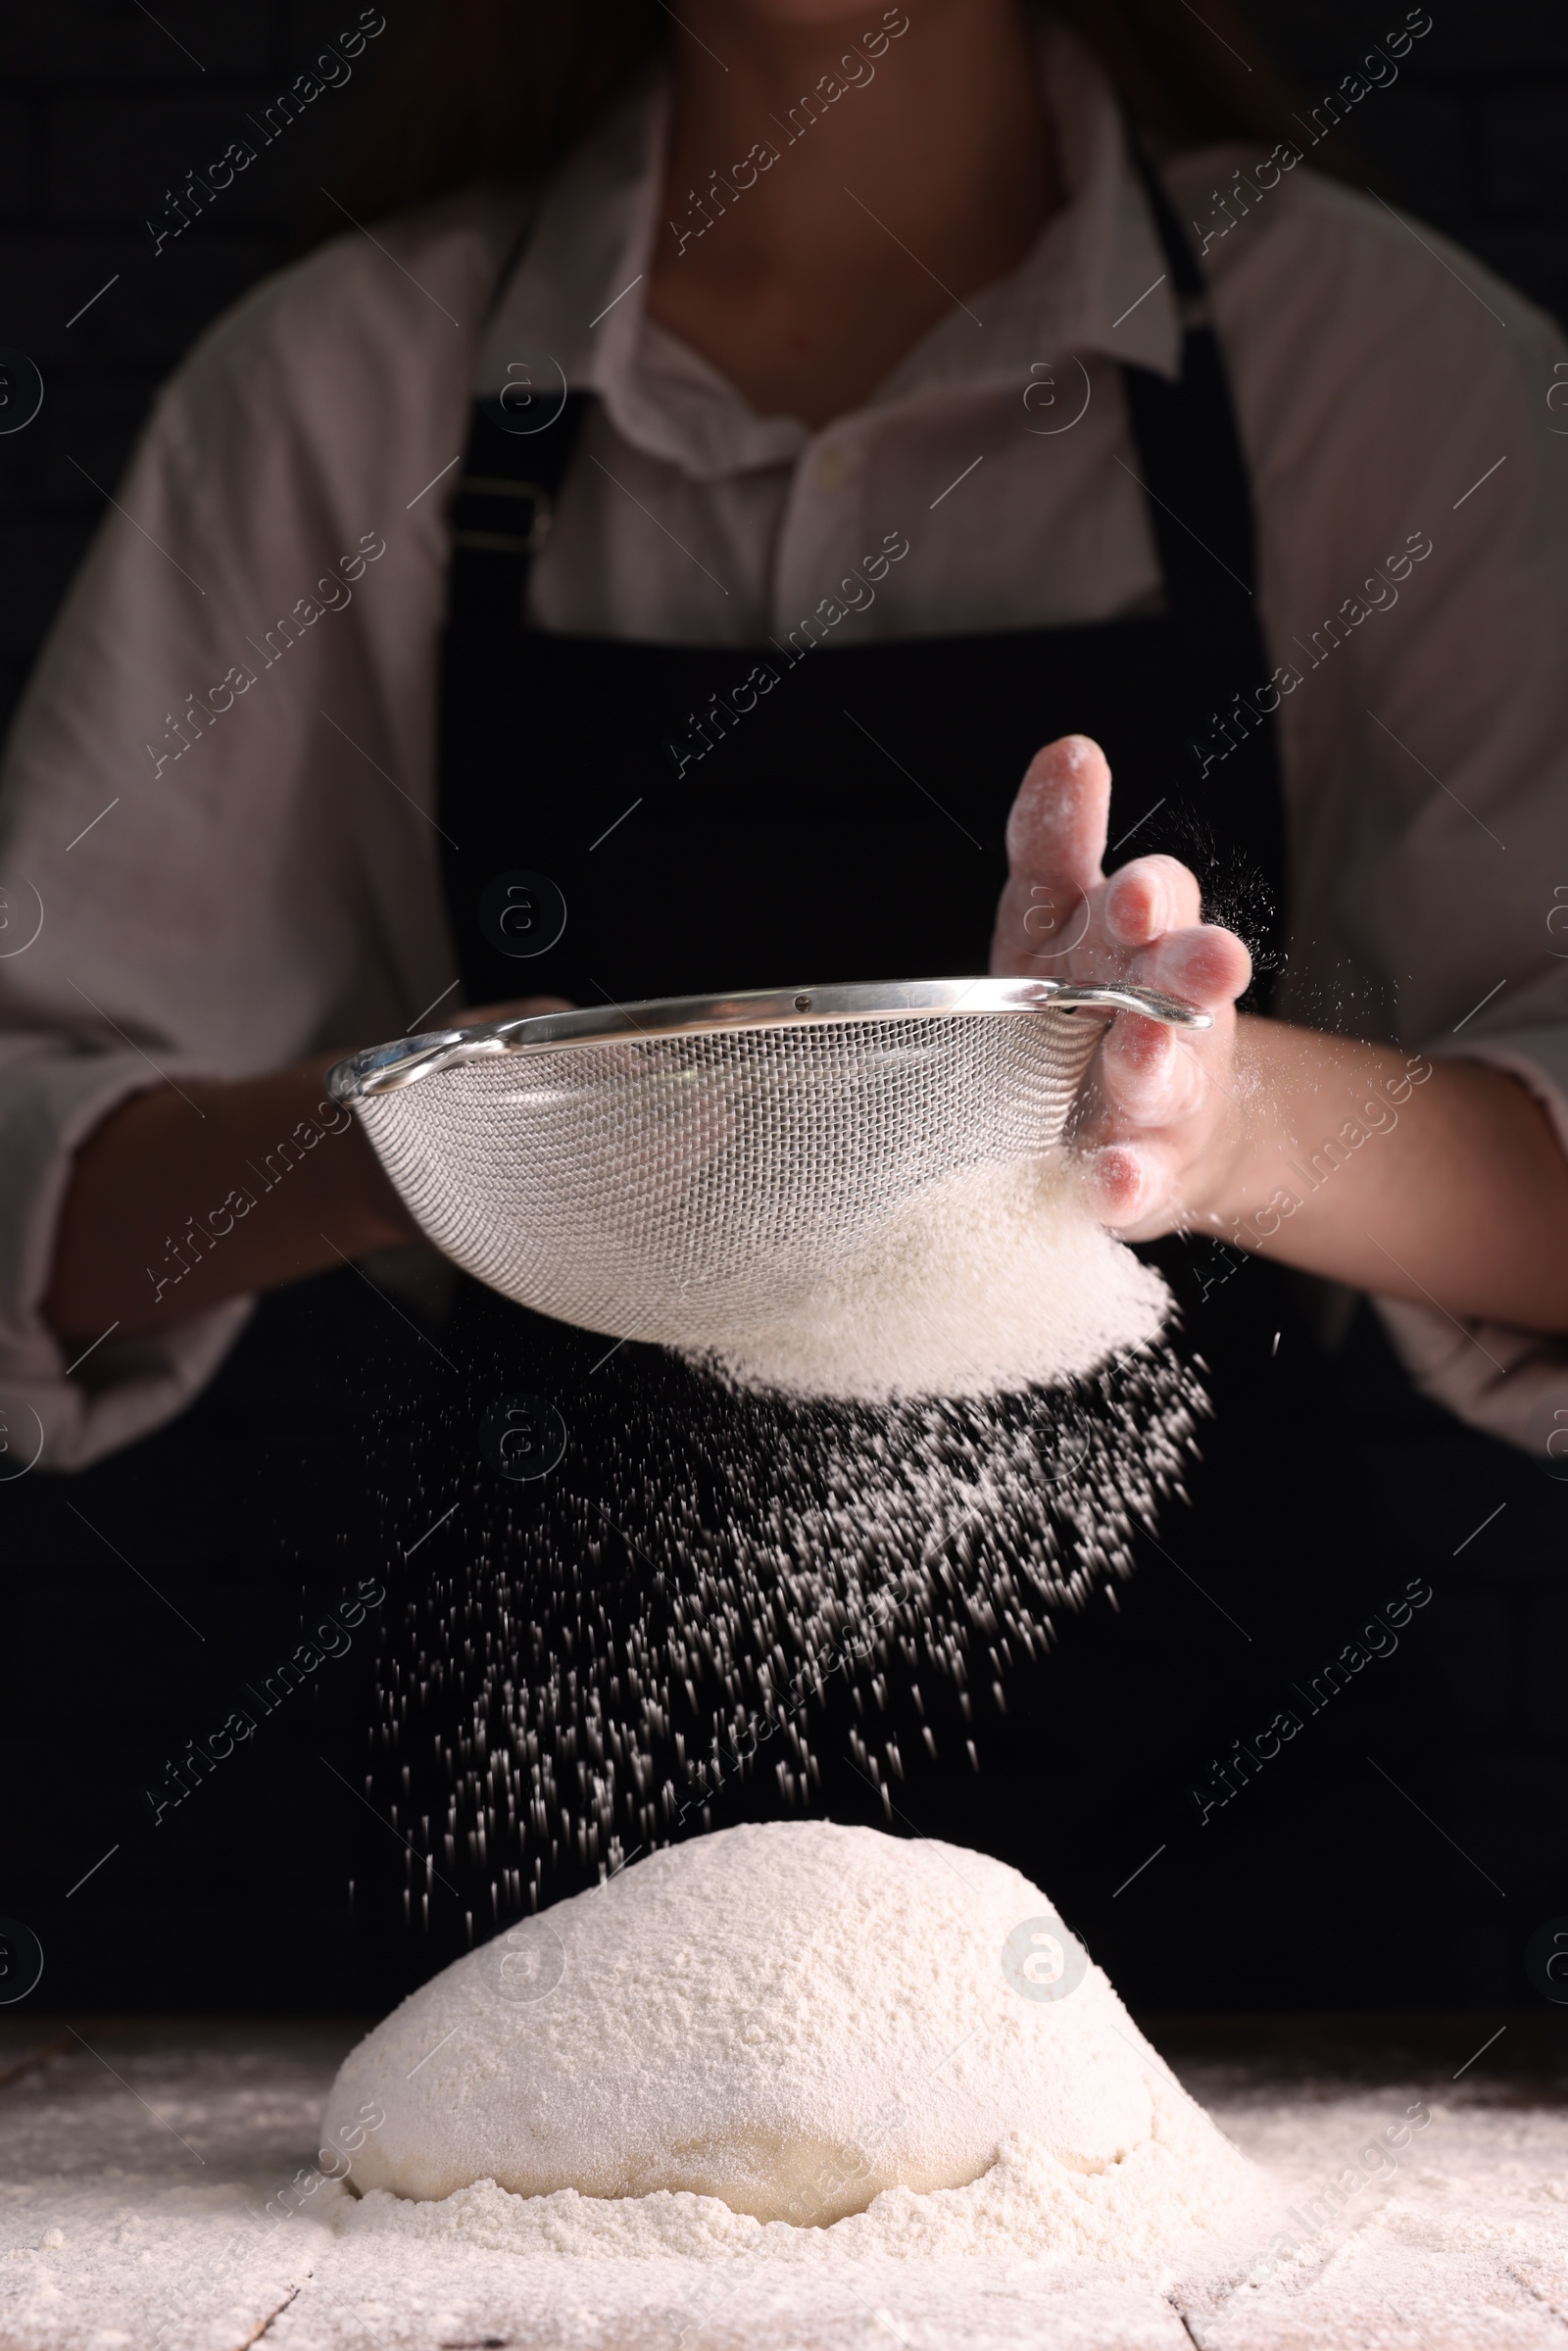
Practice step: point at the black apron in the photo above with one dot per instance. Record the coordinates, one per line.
(844, 821)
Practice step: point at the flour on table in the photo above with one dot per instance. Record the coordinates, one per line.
(794, 2039)
(997, 1278)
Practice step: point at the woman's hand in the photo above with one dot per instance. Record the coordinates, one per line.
(159, 1165)
(1161, 1132)
(1443, 1182)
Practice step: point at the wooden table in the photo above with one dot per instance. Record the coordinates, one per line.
(140, 2157)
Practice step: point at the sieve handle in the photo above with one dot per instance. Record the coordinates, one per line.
(1149, 1001)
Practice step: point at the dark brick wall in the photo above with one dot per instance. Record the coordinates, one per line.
(1474, 134)
(241, 1899)
(145, 1600)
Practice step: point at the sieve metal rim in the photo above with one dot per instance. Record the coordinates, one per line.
(388, 1069)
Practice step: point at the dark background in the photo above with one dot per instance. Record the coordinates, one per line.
(240, 1900)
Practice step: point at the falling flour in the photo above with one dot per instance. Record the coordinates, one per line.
(800, 2040)
(682, 1609)
(997, 1278)
(893, 1492)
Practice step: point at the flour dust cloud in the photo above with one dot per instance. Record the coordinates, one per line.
(589, 1662)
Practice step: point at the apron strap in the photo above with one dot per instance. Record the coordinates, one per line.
(1188, 437)
(1195, 478)
(504, 504)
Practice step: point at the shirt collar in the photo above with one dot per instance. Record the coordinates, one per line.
(573, 314)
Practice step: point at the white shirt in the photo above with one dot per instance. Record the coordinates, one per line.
(230, 892)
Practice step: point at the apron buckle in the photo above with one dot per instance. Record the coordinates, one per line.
(486, 515)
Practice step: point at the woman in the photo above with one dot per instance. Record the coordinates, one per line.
(820, 410)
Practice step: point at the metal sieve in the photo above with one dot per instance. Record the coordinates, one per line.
(686, 1170)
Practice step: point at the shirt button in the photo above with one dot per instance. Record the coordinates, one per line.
(830, 470)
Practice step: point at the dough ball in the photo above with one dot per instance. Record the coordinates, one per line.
(790, 2018)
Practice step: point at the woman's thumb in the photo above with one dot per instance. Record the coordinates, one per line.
(1056, 827)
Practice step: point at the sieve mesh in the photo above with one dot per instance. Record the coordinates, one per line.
(690, 1188)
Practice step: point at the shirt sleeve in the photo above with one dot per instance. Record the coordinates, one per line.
(217, 792)
(1413, 500)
